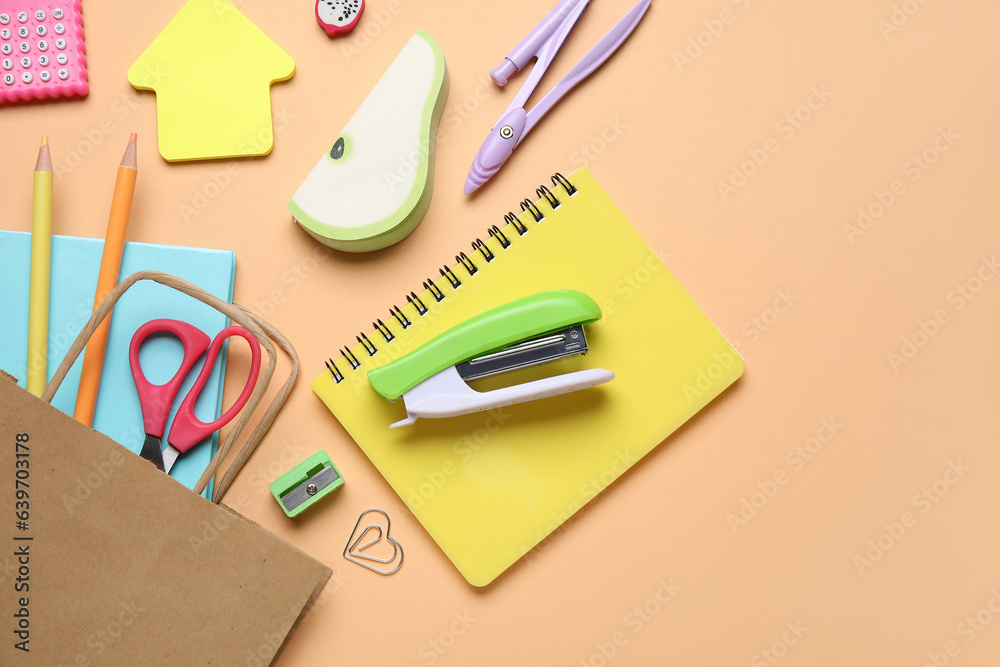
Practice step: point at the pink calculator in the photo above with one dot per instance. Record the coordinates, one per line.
(42, 54)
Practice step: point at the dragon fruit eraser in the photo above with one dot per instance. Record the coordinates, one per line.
(338, 16)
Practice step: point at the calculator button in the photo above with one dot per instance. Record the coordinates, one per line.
(59, 28)
(63, 74)
(45, 75)
(26, 62)
(27, 77)
(9, 79)
(8, 64)
(23, 31)
(5, 33)
(7, 49)
(57, 13)
(41, 30)
(22, 16)
(39, 15)
(42, 45)
(61, 58)
(24, 46)
(43, 61)
(60, 43)
(4, 18)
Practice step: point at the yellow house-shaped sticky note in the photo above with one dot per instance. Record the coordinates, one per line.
(212, 70)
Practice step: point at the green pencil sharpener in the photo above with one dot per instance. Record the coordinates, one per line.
(302, 487)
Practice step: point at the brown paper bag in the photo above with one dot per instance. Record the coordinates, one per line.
(105, 560)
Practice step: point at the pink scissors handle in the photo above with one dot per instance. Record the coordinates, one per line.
(155, 399)
(187, 430)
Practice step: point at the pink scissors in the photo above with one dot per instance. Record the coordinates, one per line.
(156, 400)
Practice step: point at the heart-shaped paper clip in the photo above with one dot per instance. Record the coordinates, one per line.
(352, 551)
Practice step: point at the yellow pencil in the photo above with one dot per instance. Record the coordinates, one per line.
(107, 278)
(41, 257)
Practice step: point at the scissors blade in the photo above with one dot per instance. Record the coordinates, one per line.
(151, 451)
(170, 455)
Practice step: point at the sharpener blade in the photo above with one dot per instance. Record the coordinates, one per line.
(565, 343)
(310, 487)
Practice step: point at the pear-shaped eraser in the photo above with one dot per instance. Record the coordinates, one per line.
(373, 184)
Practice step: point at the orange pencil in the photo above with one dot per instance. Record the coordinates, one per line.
(107, 278)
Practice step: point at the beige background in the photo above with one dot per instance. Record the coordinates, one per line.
(655, 571)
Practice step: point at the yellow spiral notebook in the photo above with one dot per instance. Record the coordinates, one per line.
(490, 486)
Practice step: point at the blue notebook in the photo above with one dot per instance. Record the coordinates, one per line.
(75, 264)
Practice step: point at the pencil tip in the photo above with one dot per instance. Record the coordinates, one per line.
(129, 159)
(44, 161)
(45, 140)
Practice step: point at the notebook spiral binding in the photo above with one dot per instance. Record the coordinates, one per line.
(449, 274)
